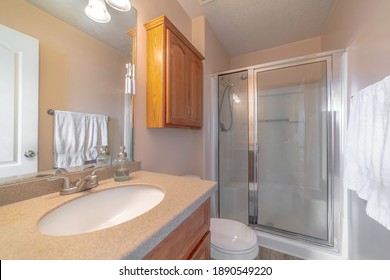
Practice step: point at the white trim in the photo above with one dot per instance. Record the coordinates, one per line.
(283, 61)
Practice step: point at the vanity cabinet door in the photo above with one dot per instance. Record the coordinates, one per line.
(202, 251)
(184, 84)
(190, 240)
(195, 100)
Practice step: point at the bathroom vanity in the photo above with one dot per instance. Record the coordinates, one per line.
(176, 228)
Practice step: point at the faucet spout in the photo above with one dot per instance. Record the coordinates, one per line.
(89, 181)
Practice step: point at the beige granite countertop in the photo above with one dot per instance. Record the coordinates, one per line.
(20, 238)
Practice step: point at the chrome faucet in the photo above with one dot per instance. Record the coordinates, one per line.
(88, 182)
(85, 183)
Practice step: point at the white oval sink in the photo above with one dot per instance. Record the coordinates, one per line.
(100, 210)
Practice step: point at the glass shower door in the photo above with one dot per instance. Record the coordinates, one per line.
(233, 145)
(292, 138)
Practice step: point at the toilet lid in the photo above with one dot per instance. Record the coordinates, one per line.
(231, 235)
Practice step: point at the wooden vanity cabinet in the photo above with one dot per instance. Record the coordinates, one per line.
(189, 241)
(174, 78)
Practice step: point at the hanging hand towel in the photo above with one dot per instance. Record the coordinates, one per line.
(76, 136)
(367, 152)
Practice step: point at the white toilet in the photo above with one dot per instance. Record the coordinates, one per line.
(231, 240)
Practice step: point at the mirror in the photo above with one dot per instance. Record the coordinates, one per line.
(82, 66)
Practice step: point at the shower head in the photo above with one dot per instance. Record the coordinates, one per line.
(227, 90)
(242, 78)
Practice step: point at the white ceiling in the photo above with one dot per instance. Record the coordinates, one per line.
(113, 33)
(245, 26)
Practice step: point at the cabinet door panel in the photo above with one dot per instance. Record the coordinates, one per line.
(177, 88)
(195, 92)
(202, 250)
(189, 240)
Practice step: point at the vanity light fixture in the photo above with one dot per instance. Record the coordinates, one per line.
(120, 5)
(97, 9)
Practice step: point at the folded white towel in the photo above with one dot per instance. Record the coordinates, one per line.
(76, 136)
(367, 153)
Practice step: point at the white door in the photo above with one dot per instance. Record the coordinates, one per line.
(19, 60)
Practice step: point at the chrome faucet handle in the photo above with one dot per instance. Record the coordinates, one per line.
(94, 177)
(67, 186)
(60, 171)
(83, 183)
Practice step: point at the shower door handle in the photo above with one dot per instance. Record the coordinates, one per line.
(253, 184)
(253, 158)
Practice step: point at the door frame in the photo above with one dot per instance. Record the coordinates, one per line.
(254, 189)
(338, 87)
(26, 52)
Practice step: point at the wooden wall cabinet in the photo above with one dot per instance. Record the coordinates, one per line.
(174, 78)
(189, 241)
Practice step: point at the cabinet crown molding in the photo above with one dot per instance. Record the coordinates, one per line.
(163, 20)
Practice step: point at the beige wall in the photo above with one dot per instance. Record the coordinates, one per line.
(217, 60)
(362, 28)
(168, 150)
(165, 150)
(296, 49)
(76, 73)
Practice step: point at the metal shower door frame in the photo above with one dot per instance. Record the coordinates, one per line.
(334, 123)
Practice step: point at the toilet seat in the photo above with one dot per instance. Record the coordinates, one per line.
(232, 240)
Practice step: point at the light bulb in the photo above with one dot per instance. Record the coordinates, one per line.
(120, 5)
(97, 11)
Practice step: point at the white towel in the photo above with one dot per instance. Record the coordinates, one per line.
(76, 136)
(367, 153)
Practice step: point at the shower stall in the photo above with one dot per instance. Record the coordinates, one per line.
(280, 151)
